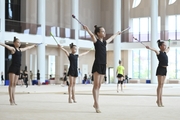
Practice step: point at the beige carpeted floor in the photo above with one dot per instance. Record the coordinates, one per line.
(137, 102)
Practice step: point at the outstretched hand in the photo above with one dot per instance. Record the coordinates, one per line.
(147, 47)
(59, 46)
(85, 27)
(119, 32)
(134, 38)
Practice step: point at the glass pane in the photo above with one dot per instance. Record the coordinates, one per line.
(135, 64)
(172, 63)
(178, 27)
(171, 27)
(144, 64)
(149, 61)
(144, 29)
(136, 28)
(178, 63)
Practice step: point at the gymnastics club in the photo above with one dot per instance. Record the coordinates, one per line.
(54, 38)
(169, 42)
(125, 29)
(77, 19)
(139, 41)
(38, 44)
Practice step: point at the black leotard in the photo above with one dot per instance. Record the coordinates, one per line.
(73, 65)
(16, 58)
(163, 59)
(100, 52)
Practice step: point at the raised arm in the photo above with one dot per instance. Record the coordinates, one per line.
(8, 47)
(112, 37)
(65, 51)
(27, 48)
(93, 37)
(152, 49)
(84, 53)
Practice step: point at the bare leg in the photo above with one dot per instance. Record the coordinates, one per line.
(121, 87)
(10, 88)
(159, 89)
(122, 84)
(14, 87)
(96, 86)
(162, 84)
(70, 88)
(73, 89)
(117, 87)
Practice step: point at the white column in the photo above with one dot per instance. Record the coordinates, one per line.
(41, 48)
(2, 31)
(75, 24)
(164, 19)
(154, 33)
(34, 68)
(117, 40)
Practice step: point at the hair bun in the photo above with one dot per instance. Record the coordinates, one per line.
(158, 41)
(71, 45)
(95, 26)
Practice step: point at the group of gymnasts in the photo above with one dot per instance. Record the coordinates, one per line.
(98, 68)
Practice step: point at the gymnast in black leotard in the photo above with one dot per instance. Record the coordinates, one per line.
(99, 66)
(73, 69)
(161, 69)
(14, 69)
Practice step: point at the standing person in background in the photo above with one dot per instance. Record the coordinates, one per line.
(65, 82)
(31, 77)
(120, 76)
(2, 78)
(92, 79)
(21, 78)
(38, 77)
(105, 79)
(26, 78)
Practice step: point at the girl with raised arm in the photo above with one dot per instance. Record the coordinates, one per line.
(161, 69)
(14, 69)
(73, 69)
(99, 66)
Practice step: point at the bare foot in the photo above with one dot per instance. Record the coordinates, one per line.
(162, 104)
(97, 110)
(158, 104)
(70, 101)
(14, 103)
(11, 103)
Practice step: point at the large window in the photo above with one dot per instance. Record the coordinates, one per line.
(172, 63)
(140, 64)
(173, 27)
(142, 28)
(135, 64)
